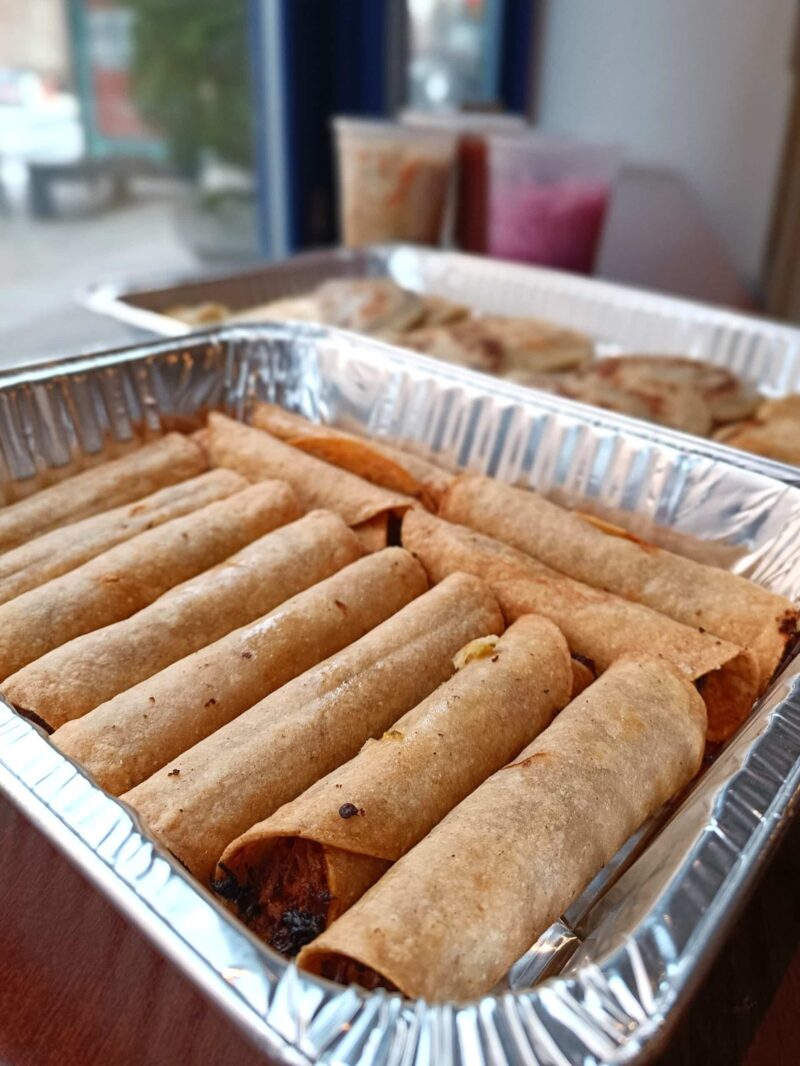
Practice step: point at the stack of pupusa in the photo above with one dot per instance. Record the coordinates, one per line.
(774, 431)
(671, 390)
(432, 325)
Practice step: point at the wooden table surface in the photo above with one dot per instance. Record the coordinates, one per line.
(80, 987)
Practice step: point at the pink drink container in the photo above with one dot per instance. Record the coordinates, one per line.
(548, 199)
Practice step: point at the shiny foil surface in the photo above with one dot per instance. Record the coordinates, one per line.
(603, 983)
(619, 318)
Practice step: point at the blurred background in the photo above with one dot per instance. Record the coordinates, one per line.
(144, 138)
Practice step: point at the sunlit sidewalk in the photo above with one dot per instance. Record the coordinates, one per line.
(44, 263)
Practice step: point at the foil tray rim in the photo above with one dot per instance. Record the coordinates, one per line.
(596, 999)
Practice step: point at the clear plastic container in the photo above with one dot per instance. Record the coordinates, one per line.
(470, 212)
(393, 181)
(548, 199)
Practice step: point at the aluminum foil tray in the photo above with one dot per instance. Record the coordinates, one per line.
(621, 319)
(603, 984)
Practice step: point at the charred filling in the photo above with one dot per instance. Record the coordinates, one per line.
(346, 971)
(393, 538)
(229, 888)
(286, 901)
(789, 629)
(33, 717)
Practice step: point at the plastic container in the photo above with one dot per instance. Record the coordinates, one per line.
(548, 199)
(393, 181)
(470, 212)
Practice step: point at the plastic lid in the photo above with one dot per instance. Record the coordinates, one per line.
(466, 121)
(381, 129)
(527, 140)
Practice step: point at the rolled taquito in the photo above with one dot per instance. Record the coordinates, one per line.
(374, 533)
(198, 803)
(88, 671)
(66, 547)
(584, 672)
(43, 477)
(597, 624)
(450, 917)
(131, 575)
(170, 459)
(293, 874)
(128, 738)
(697, 595)
(378, 462)
(258, 455)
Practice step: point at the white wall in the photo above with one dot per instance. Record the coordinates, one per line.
(700, 86)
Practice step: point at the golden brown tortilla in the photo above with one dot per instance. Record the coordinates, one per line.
(382, 464)
(700, 596)
(598, 625)
(777, 438)
(164, 462)
(725, 396)
(258, 455)
(131, 575)
(782, 407)
(496, 344)
(93, 668)
(452, 916)
(197, 804)
(65, 548)
(131, 736)
(367, 305)
(400, 786)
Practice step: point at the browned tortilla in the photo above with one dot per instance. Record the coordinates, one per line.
(170, 459)
(399, 786)
(584, 672)
(274, 751)
(373, 534)
(778, 438)
(127, 739)
(131, 575)
(43, 476)
(450, 917)
(380, 463)
(88, 671)
(598, 626)
(721, 603)
(65, 548)
(259, 455)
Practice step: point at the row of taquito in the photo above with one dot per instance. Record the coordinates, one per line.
(702, 597)
(453, 914)
(74, 678)
(334, 876)
(166, 461)
(84, 674)
(484, 884)
(79, 569)
(139, 730)
(520, 584)
(293, 874)
(99, 546)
